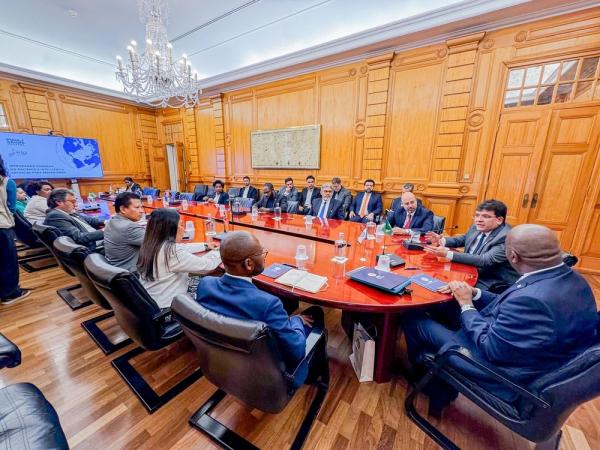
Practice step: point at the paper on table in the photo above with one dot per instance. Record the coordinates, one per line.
(302, 279)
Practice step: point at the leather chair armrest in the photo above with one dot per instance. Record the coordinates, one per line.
(10, 355)
(442, 359)
(312, 340)
(163, 316)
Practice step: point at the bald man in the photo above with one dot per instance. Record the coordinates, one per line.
(234, 295)
(410, 215)
(546, 318)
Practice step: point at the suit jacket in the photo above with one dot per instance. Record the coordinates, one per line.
(397, 203)
(68, 226)
(135, 188)
(375, 205)
(273, 200)
(334, 208)
(534, 327)
(316, 194)
(345, 197)
(237, 298)
(292, 196)
(223, 198)
(422, 219)
(252, 193)
(492, 265)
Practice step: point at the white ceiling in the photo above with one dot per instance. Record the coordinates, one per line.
(225, 39)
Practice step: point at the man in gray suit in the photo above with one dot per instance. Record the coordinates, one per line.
(289, 191)
(483, 246)
(341, 194)
(62, 215)
(123, 235)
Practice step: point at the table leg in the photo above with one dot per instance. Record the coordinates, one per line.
(385, 347)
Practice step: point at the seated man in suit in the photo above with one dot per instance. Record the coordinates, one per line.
(288, 191)
(327, 207)
(235, 295)
(248, 191)
(483, 246)
(220, 197)
(341, 193)
(270, 200)
(131, 186)
(540, 323)
(62, 215)
(366, 205)
(410, 216)
(308, 194)
(406, 187)
(123, 234)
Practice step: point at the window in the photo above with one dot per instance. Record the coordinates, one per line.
(571, 80)
(3, 120)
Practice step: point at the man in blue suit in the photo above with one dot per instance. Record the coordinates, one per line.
(537, 325)
(367, 205)
(235, 295)
(325, 207)
(409, 215)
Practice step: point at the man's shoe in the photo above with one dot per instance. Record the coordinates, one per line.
(24, 293)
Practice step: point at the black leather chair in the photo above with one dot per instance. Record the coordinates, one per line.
(47, 235)
(439, 223)
(210, 191)
(140, 317)
(72, 255)
(33, 249)
(151, 191)
(542, 407)
(27, 419)
(233, 192)
(569, 259)
(200, 192)
(240, 357)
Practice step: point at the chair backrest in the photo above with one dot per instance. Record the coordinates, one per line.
(396, 203)
(439, 223)
(73, 255)
(245, 202)
(134, 308)
(151, 191)
(189, 196)
(292, 206)
(47, 235)
(564, 389)
(238, 356)
(210, 191)
(569, 259)
(233, 192)
(200, 189)
(24, 232)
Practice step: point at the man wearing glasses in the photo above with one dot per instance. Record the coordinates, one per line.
(483, 246)
(62, 215)
(234, 295)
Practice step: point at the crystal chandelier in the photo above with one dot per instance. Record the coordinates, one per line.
(152, 77)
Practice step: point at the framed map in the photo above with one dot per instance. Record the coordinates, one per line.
(287, 148)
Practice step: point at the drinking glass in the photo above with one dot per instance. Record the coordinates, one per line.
(383, 263)
(277, 213)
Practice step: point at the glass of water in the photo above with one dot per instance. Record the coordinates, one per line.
(301, 257)
(383, 263)
(277, 213)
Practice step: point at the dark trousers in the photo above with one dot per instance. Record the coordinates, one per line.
(9, 265)
(317, 364)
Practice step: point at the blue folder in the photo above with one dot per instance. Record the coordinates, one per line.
(385, 281)
(429, 283)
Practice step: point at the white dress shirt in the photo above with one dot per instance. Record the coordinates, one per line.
(245, 193)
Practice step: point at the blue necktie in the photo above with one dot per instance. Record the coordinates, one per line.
(323, 210)
(477, 248)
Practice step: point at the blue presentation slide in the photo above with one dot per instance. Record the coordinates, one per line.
(38, 156)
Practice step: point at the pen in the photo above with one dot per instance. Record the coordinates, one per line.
(411, 268)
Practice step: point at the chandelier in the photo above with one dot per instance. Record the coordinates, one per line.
(153, 77)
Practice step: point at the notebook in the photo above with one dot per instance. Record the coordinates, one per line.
(276, 270)
(301, 279)
(429, 283)
(385, 281)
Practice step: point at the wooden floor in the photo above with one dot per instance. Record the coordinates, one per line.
(97, 409)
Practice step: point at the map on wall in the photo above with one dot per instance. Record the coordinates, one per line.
(287, 148)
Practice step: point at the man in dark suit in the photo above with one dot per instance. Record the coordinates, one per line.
(410, 216)
(220, 197)
(234, 295)
(132, 186)
(341, 194)
(289, 191)
(62, 215)
(484, 246)
(248, 191)
(308, 195)
(270, 200)
(367, 205)
(326, 207)
(540, 323)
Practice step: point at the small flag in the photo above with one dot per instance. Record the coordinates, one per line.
(387, 229)
(362, 236)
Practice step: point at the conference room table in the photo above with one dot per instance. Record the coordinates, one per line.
(282, 237)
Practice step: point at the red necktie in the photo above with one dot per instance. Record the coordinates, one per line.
(408, 221)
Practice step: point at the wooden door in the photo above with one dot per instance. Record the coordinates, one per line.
(517, 155)
(565, 171)
(181, 167)
(159, 166)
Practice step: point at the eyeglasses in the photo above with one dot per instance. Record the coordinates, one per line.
(264, 252)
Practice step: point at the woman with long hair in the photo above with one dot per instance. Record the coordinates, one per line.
(164, 266)
(9, 266)
(36, 208)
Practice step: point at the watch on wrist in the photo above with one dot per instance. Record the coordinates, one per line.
(464, 308)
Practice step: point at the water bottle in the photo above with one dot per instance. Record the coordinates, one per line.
(340, 248)
(110, 189)
(371, 229)
(380, 233)
(209, 226)
(254, 212)
(277, 212)
(165, 201)
(184, 204)
(190, 230)
(236, 207)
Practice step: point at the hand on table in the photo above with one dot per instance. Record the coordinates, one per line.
(434, 238)
(442, 252)
(462, 292)
(398, 230)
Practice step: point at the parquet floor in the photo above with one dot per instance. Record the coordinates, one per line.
(97, 409)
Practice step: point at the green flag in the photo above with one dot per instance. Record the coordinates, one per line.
(387, 229)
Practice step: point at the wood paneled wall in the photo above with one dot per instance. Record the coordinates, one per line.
(124, 131)
(427, 116)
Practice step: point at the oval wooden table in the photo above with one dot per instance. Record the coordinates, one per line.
(281, 239)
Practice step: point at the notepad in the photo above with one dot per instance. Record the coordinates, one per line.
(276, 270)
(429, 283)
(301, 279)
